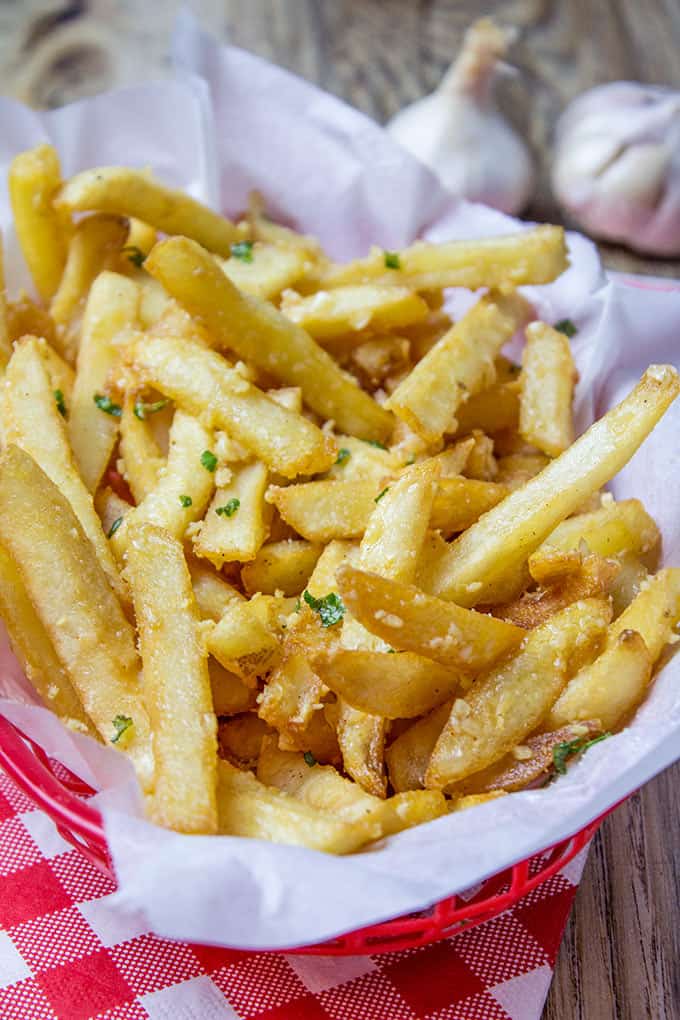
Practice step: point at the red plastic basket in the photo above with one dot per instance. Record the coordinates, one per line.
(63, 796)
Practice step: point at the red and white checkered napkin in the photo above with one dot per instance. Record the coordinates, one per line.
(66, 955)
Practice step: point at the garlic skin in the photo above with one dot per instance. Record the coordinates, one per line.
(460, 134)
(616, 169)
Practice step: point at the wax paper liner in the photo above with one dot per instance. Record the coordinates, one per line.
(225, 123)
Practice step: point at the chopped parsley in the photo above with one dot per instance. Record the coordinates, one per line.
(107, 405)
(391, 651)
(567, 327)
(330, 608)
(343, 455)
(121, 724)
(186, 500)
(309, 758)
(229, 508)
(375, 442)
(59, 401)
(243, 250)
(141, 409)
(392, 260)
(114, 527)
(381, 494)
(562, 752)
(134, 254)
(209, 460)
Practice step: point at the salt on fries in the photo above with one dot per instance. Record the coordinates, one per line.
(323, 563)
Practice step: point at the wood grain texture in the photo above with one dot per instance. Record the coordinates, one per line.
(619, 959)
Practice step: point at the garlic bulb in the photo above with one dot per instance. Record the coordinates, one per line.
(460, 134)
(617, 165)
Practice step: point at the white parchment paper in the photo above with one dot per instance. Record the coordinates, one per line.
(229, 122)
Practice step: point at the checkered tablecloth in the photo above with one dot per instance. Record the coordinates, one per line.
(65, 954)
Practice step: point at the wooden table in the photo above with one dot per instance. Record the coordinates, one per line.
(619, 959)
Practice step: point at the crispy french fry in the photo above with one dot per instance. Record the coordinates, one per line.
(508, 702)
(61, 375)
(25, 317)
(94, 247)
(323, 576)
(183, 489)
(140, 240)
(380, 360)
(202, 383)
(453, 460)
(249, 808)
(537, 255)
(328, 509)
(480, 462)
(554, 565)
(281, 566)
(362, 740)
(111, 308)
(323, 788)
(359, 461)
(345, 310)
(408, 756)
(229, 693)
(493, 410)
(32, 421)
(259, 333)
(267, 269)
(462, 501)
(34, 650)
(135, 193)
(176, 683)
(460, 365)
(34, 179)
(613, 529)
(654, 612)
(242, 643)
(5, 344)
(143, 461)
(241, 737)
(87, 627)
(405, 617)
(401, 687)
(235, 525)
(548, 378)
(212, 592)
(517, 468)
(481, 559)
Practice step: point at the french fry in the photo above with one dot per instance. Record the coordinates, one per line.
(93, 247)
(548, 378)
(380, 360)
(473, 800)
(86, 625)
(462, 501)
(61, 375)
(535, 256)
(140, 240)
(34, 650)
(267, 269)
(281, 566)
(517, 468)
(613, 529)
(25, 317)
(229, 693)
(183, 489)
(493, 410)
(554, 565)
(242, 643)
(5, 344)
(507, 703)
(363, 462)
(34, 179)
(628, 584)
(323, 788)
(212, 593)
(480, 462)
(110, 508)
(401, 687)
(408, 756)
(479, 562)
(260, 333)
(176, 683)
(328, 509)
(334, 313)
(654, 612)
(323, 576)
(111, 308)
(142, 459)
(289, 397)
(240, 739)
(249, 808)
(459, 365)
(362, 740)
(135, 193)
(32, 421)
(406, 618)
(235, 525)
(202, 383)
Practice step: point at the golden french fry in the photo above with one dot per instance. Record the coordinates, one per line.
(535, 256)
(479, 562)
(289, 397)
(140, 240)
(87, 627)
(241, 738)
(493, 410)
(322, 580)
(362, 740)
(554, 565)
(34, 180)
(25, 317)
(235, 524)
(380, 361)
(613, 529)
(328, 509)
(32, 421)
(401, 687)
(653, 613)
(202, 383)
(480, 462)
(141, 455)
(111, 309)
(508, 702)
(281, 566)
(359, 461)
(259, 333)
(548, 378)
(408, 756)
(462, 501)
(517, 468)
(334, 313)
(176, 684)
(249, 808)
(61, 375)
(135, 193)
(459, 365)
(34, 650)
(229, 693)
(406, 618)
(242, 643)
(183, 488)
(110, 508)
(212, 593)
(265, 270)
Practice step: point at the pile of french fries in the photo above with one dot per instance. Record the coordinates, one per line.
(323, 563)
